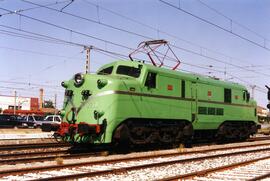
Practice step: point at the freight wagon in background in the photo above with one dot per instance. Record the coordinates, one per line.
(133, 103)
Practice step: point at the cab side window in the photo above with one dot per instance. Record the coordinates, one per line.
(183, 89)
(151, 80)
(227, 95)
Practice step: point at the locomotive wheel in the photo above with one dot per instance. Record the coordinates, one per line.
(235, 131)
(153, 132)
(121, 139)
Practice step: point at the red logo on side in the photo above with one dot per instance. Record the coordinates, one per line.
(170, 87)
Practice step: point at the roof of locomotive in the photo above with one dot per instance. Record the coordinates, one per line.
(177, 74)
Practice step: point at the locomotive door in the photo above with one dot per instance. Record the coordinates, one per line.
(194, 102)
(150, 104)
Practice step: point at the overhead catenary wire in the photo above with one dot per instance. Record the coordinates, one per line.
(90, 20)
(37, 52)
(41, 37)
(67, 29)
(30, 37)
(30, 84)
(233, 21)
(32, 8)
(215, 25)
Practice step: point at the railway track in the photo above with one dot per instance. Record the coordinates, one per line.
(48, 155)
(31, 146)
(141, 164)
(24, 153)
(16, 158)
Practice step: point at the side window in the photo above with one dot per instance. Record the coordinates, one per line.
(248, 96)
(183, 89)
(220, 111)
(151, 80)
(30, 118)
(211, 111)
(57, 119)
(227, 95)
(202, 110)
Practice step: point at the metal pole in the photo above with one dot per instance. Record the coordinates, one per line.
(55, 99)
(87, 63)
(15, 100)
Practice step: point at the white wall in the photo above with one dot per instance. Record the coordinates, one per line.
(6, 101)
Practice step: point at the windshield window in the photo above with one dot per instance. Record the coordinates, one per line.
(106, 71)
(50, 118)
(130, 71)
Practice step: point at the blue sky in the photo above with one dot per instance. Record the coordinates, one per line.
(27, 64)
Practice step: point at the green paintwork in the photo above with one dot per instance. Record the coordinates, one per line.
(120, 97)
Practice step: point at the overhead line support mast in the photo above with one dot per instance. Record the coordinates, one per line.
(87, 62)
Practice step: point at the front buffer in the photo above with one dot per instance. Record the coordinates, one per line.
(77, 133)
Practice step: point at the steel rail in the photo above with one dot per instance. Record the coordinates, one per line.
(64, 155)
(125, 159)
(28, 157)
(31, 146)
(31, 153)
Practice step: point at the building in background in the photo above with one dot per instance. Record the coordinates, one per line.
(21, 103)
(25, 105)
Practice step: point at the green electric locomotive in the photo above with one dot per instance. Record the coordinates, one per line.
(129, 102)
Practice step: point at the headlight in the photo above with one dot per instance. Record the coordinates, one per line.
(78, 79)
